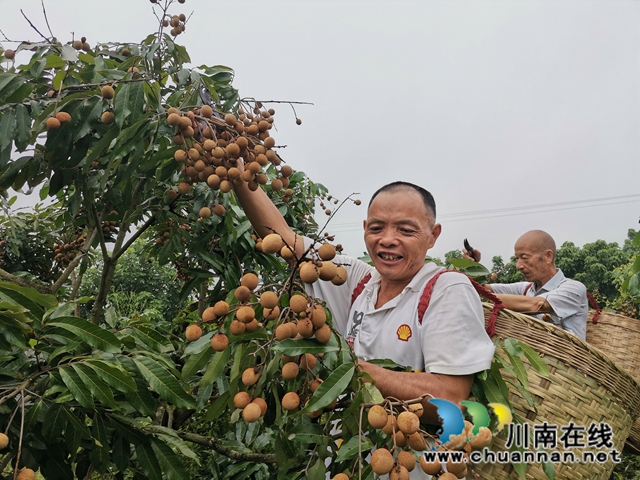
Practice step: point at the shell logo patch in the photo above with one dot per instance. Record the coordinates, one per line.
(404, 332)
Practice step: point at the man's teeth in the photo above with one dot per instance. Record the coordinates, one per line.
(386, 256)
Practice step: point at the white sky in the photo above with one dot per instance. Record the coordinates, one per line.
(487, 104)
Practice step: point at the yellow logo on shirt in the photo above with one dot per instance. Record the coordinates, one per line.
(404, 332)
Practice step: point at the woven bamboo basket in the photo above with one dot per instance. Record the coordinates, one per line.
(619, 338)
(583, 386)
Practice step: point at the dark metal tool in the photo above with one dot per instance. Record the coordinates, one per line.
(469, 249)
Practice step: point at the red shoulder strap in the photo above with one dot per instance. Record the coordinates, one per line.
(595, 305)
(359, 288)
(425, 299)
(528, 287)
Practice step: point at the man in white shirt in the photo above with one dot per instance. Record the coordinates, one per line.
(381, 314)
(546, 289)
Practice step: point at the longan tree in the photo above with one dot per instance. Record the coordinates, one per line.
(249, 380)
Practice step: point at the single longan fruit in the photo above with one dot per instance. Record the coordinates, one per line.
(382, 461)
(323, 334)
(272, 243)
(233, 150)
(206, 111)
(298, 121)
(237, 327)
(52, 123)
(283, 331)
(230, 119)
(249, 280)
(318, 316)
(315, 383)
(399, 472)
(107, 118)
(276, 184)
(341, 476)
(193, 333)
(77, 44)
(242, 293)
(261, 403)
(290, 370)
(221, 308)
(416, 442)
(391, 425)
(193, 154)
(251, 413)
(26, 474)
(401, 439)
(298, 303)
(233, 173)
(417, 408)
(245, 314)
(184, 188)
(269, 299)
(308, 361)
(341, 276)
(252, 326)
(377, 416)
(250, 377)
(205, 212)
(271, 313)
(219, 342)
(242, 142)
(219, 210)
(9, 54)
(305, 328)
(407, 460)
(430, 468)
(309, 272)
(4, 441)
(481, 439)
(358, 202)
(269, 142)
(290, 401)
(408, 423)
(213, 181)
(447, 476)
(226, 186)
(241, 399)
(63, 117)
(456, 468)
(209, 314)
(286, 171)
(327, 251)
(328, 271)
(108, 93)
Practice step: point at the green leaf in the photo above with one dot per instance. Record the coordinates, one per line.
(371, 394)
(148, 461)
(92, 334)
(512, 346)
(38, 67)
(163, 382)
(199, 345)
(318, 471)
(121, 452)
(217, 407)
(634, 284)
(97, 387)
(113, 376)
(196, 362)
(549, 470)
(54, 421)
(76, 387)
(23, 127)
(151, 338)
(328, 391)
(129, 101)
(535, 360)
(78, 425)
(172, 467)
(349, 449)
(519, 370)
(141, 399)
(100, 451)
(7, 127)
(294, 347)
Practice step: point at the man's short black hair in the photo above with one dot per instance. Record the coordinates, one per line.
(427, 198)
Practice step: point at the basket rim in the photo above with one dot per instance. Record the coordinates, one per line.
(621, 378)
(620, 320)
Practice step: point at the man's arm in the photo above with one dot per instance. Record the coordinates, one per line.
(409, 385)
(523, 303)
(262, 213)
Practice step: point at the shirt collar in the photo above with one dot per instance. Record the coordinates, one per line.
(553, 282)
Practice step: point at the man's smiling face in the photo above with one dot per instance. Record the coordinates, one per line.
(398, 232)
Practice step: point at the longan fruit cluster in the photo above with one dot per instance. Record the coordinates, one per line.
(2, 251)
(66, 251)
(177, 23)
(164, 234)
(56, 121)
(81, 44)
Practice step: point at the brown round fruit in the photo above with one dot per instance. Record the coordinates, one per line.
(391, 425)
(184, 188)
(309, 272)
(269, 299)
(221, 308)
(481, 439)
(209, 314)
(63, 117)
(4, 441)
(417, 408)
(327, 251)
(261, 403)
(430, 468)
(230, 119)
(328, 271)
(298, 303)
(236, 327)
(283, 331)
(377, 416)
(456, 468)
(241, 399)
(407, 460)
(219, 210)
(272, 243)
(290, 401)
(323, 334)
(108, 93)
(52, 123)
(9, 54)
(399, 472)
(271, 313)
(26, 474)
(242, 293)
(250, 377)
(447, 476)
(245, 314)
(382, 461)
(400, 440)
(219, 342)
(416, 442)
(340, 476)
(193, 333)
(206, 111)
(305, 328)
(252, 326)
(205, 212)
(108, 118)
(290, 370)
(408, 422)
(308, 361)
(341, 276)
(251, 412)
(315, 383)
(318, 316)
(250, 280)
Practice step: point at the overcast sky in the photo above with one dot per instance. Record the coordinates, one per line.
(490, 105)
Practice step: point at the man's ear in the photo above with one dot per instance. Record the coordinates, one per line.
(548, 256)
(435, 233)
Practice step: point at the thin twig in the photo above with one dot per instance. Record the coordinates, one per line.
(44, 12)
(33, 26)
(15, 471)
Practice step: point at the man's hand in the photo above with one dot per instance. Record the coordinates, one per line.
(476, 252)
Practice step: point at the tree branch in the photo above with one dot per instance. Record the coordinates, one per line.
(134, 237)
(74, 263)
(215, 444)
(34, 27)
(98, 222)
(4, 275)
